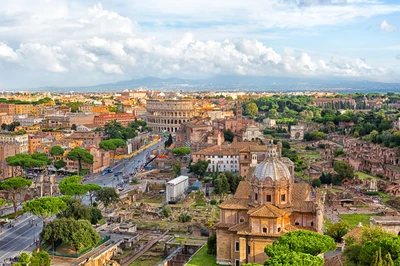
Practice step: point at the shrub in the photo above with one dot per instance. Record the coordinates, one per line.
(213, 202)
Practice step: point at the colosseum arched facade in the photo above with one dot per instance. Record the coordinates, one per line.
(168, 115)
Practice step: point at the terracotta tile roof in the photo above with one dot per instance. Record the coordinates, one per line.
(243, 190)
(290, 228)
(235, 204)
(334, 261)
(223, 225)
(300, 191)
(239, 227)
(303, 206)
(355, 233)
(267, 210)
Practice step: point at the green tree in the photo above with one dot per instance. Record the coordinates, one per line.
(92, 188)
(107, 195)
(221, 185)
(112, 145)
(343, 170)
(14, 185)
(73, 127)
(228, 135)
(26, 161)
(168, 142)
(41, 258)
(45, 208)
(78, 234)
(233, 180)
(212, 244)
(252, 110)
(300, 247)
(337, 230)
(184, 217)
(177, 169)
(199, 168)
(56, 151)
(59, 164)
(166, 211)
(80, 155)
(71, 186)
(181, 151)
(316, 182)
(339, 152)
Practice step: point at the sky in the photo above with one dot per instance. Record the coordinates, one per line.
(82, 42)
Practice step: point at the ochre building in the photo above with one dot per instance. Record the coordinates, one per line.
(265, 206)
(167, 115)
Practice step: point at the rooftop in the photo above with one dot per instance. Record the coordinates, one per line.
(177, 180)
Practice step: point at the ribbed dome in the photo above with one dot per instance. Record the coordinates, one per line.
(273, 168)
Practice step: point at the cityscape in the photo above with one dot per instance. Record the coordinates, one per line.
(199, 133)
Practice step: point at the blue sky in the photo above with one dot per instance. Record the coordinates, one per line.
(77, 43)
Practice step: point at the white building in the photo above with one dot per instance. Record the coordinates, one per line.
(252, 133)
(225, 158)
(177, 187)
(22, 140)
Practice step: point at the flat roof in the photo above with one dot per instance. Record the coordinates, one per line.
(177, 180)
(386, 219)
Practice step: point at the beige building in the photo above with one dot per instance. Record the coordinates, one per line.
(6, 119)
(168, 115)
(265, 206)
(7, 149)
(388, 223)
(22, 140)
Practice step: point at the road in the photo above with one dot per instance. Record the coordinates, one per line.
(21, 237)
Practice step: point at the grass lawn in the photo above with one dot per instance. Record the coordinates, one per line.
(11, 215)
(362, 175)
(354, 219)
(148, 261)
(202, 258)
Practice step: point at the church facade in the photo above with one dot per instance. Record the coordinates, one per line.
(266, 205)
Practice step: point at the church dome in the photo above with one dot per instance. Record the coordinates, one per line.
(272, 166)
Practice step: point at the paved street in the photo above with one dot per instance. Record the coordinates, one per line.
(21, 237)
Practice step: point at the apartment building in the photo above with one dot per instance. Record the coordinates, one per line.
(22, 141)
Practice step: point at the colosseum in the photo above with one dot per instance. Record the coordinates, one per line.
(167, 115)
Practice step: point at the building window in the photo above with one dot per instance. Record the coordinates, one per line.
(283, 197)
(269, 198)
(237, 263)
(237, 246)
(256, 196)
(265, 230)
(279, 229)
(241, 219)
(312, 223)
(248, 250)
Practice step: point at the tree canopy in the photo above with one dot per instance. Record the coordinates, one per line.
(112, 144)
(299, 248)
(56, 151)
(252, 110)
(78, 234)
(77, 210)
(228, 135)
(14, 185)
(80, 155)
(107, 195)
(45, 207)
(181, 151)
(59, 164)
(199, 168)
(71, 186)
(343, 170)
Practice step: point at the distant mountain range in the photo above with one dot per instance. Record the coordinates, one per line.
(242, 83)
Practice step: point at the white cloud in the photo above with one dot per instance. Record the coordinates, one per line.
(111, 68)
(37, 56)
(7, 53)
(385, 26)
(97, 43)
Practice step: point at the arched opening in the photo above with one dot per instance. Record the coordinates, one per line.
(312, 223)
(241, 220)
(279, 229)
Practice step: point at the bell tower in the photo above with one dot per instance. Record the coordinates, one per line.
(238, 110)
